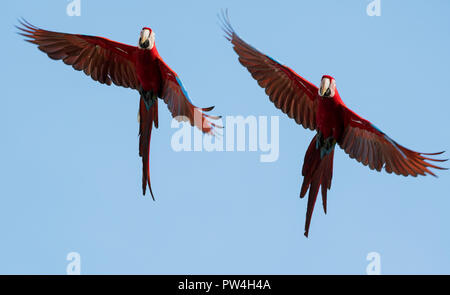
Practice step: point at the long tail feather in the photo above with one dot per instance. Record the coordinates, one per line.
(147, 118)
(317, 172)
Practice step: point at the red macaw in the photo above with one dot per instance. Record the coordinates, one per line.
(139, 68)
(321, 109)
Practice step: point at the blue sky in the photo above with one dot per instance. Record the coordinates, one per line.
(69, 152)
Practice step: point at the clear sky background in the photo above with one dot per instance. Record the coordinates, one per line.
(71, 176)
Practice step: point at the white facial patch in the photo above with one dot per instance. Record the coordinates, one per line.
(152, 40)
(332, 88)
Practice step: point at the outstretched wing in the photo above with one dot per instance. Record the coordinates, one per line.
(179, 104)
(104, 60)
(371, 147)
(290, 93)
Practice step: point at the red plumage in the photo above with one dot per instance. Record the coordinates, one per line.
(317, 173)
(147, 118)
(140, 68)
(321, 109)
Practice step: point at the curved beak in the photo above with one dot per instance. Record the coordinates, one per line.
(324, 86)
(144, 38)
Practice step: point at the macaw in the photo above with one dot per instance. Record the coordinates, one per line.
(321, 109)
(136, 67)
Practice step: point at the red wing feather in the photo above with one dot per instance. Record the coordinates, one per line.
(104, 60)
(179, 104)
(371, 147)
(291, 93)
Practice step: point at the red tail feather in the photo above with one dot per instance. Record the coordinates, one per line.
(147, 118)
(317, 172)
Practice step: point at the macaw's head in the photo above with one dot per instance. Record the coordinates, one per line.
(327, 86)
(146, 38)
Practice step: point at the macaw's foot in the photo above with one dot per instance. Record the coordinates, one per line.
(149, 98)
(325, 145)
